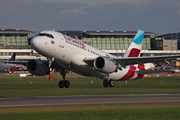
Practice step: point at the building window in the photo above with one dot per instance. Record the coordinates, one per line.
(14, 41)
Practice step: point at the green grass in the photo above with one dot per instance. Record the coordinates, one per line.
(168, 111)
(41, 86)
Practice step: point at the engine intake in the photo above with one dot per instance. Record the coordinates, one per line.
(37, 67)
(105, 65)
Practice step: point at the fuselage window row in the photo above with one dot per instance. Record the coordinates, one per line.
(83, 48)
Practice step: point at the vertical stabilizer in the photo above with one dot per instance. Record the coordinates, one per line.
(13, 57)
(136, 45)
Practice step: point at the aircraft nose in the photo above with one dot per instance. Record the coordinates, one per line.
(39, 44)
(35, 43)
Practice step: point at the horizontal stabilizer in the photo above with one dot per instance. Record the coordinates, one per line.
(153, 71)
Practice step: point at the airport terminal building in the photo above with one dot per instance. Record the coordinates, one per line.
(114, 42)
(109, 40)
(15, 40)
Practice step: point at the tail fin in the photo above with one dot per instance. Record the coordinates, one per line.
(135, 47)
(13, 57)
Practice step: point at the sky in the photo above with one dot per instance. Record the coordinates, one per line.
(158, 16)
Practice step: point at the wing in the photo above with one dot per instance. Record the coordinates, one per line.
(141, 60)
(153, 71)
(136, 60)
(90, 61)
(17, 62)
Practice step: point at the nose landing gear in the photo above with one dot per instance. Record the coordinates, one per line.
(51, 66)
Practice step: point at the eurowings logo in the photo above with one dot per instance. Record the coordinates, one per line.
(52, 42)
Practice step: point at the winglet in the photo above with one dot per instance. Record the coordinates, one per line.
(139, 37)
(136, 45)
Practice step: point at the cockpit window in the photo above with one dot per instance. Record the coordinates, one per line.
(45, 34)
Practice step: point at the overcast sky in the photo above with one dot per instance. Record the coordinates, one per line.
(159, 16)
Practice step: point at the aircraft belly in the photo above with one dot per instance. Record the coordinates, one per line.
(89, 71)
(84, 70)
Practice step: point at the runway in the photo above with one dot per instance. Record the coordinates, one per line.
(89, 100)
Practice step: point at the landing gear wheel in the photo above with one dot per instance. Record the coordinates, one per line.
(61, 84)
(111, 83)
(67, 84)
(105, 83)
(64, 83)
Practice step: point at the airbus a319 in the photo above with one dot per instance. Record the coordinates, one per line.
(66, 53)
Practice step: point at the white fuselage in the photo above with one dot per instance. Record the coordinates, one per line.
(69, 53)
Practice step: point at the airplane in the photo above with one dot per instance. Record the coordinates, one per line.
(4, 66)
(68, 54)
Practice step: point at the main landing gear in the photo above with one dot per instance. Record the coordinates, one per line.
(107, 83)
(64, 83)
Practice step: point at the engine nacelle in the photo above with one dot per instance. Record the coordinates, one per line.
(105, 65)
(37, 67)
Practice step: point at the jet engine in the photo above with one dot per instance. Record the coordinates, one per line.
(37, 67)
(105, 65)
